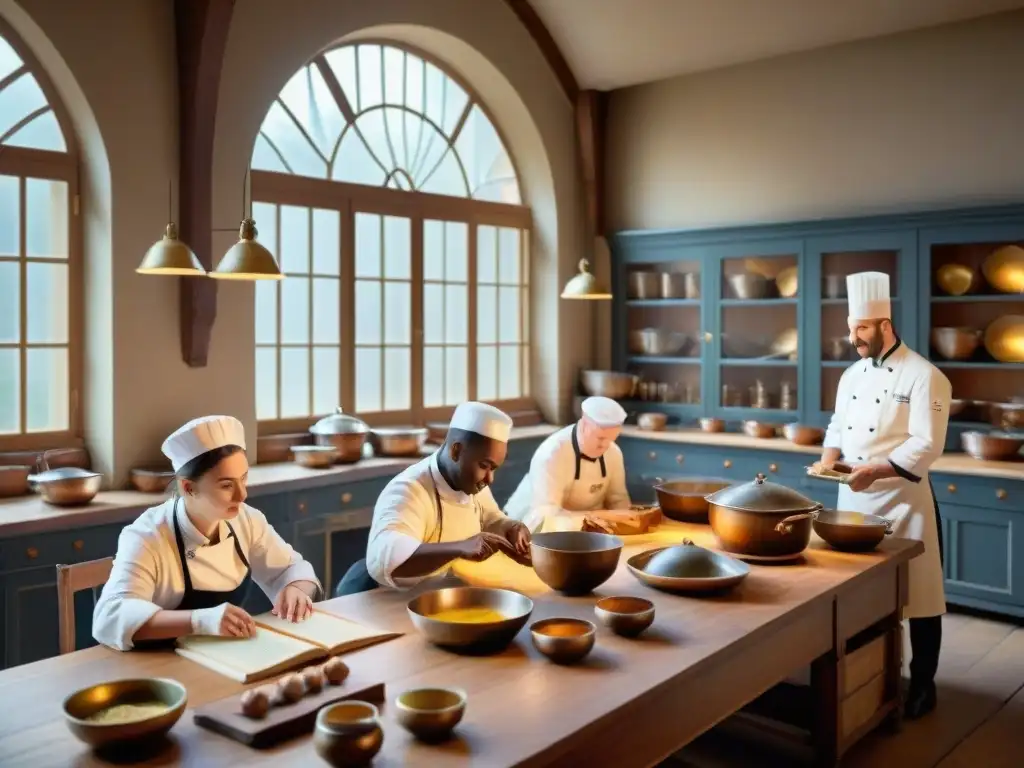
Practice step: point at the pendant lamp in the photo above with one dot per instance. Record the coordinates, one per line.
(170, 256)
(247, 259)
(585, 285)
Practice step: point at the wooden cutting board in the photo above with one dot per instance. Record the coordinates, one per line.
(623, 522)
(225, 717)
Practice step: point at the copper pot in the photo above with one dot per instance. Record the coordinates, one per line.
(685, 499)
(761, 520)
(346, 434)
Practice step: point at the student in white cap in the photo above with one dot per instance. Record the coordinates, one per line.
(441, 508)
(889, 425)
(576, 470)
(185, 566)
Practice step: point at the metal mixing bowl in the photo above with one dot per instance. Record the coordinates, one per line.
(492, 636)
(617, 386)
(851, 531)
(575, 562)
(684, 498)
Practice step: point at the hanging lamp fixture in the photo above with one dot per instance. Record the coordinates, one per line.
(169, 255)
(247, 259)
(584, 285)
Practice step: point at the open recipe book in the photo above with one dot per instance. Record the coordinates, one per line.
(279, 645)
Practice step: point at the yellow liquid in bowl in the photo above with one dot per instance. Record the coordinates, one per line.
(119, 714)
(469, 616)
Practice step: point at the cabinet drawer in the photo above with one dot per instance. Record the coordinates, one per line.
(62, 547)
(859, 708)
(859, 667)
(332, 499)
(991, 493)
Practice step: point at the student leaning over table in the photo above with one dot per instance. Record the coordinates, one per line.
(185, 566)
(441, 508)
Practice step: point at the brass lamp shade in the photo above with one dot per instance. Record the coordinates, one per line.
(247, 259)
(170, 256)
(584, 285)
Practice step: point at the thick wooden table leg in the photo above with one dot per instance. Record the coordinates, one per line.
(825, 693)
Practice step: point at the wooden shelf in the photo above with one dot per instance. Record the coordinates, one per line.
(758, 302)
(838, 302)
(663, 360)
(978, 297)
(979, 365)
(755, 362)
(663, 302)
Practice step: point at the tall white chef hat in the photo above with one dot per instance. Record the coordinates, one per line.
(483, 419)
(868, 296)
(201, 435)
(603, 411)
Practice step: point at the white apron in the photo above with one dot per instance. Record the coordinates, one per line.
(875, 421)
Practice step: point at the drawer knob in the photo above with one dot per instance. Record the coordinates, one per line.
(680, 459)
(951, 488)
(302, 507)
(708, 338)
(727, 463)
(652, 455)
(79, 545)
(346, 498)
(1000, 493)
(32, 553)
(773, 467)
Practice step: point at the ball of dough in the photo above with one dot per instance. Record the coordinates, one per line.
(335, 671)
(255, 704)
(290, 688)
(314, 679)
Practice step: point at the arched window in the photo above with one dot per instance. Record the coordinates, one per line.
(389, 198)
(39, 265)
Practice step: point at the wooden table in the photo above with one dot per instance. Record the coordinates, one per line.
(630, 703)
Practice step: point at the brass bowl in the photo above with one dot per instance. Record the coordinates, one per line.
(314, 456)
(956, 279)
(348, 733)
(1007, 416)
(687, 569)
(1004, 339)
(563, 640)
(708, 424)
(430, 714)
(488, 636)
(437, 431)
(83, 704)
(613, 384)
(348, 446)
(14, 480)
(759, 429)
(684, 499)
(575, 562)
(786, 344)
(1004, 269)
(955, 343)
(803, 434)
(787, 282)
(851, 531)
(626, 616)
(991, 446)
(151, 480)
(652, 422)
(956, 407)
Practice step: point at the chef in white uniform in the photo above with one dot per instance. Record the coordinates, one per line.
(441, 508)
(889, 425)
(185, 566)
(576, 470)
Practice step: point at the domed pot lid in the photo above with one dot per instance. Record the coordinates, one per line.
(688, 561)
(340, 423)
(759, 495)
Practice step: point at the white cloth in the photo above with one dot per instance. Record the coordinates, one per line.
(603, 411)
(201, 435)
(549, 497)
(406, 515)
(868, 296)
(147, 575)
(206, 621)
(483, 419)
(897, 411)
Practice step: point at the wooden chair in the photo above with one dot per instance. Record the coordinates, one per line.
(72, 579)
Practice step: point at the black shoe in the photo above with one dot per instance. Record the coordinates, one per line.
(920, 700)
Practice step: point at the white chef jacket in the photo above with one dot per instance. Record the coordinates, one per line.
(406, 515)
(896, 410)
(563, 484)
(147, 574)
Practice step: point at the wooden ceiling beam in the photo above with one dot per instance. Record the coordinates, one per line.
(548, 47)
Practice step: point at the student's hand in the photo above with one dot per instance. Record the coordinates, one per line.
(518, 535)
(293, 604)
(225, 620)
(483, 545)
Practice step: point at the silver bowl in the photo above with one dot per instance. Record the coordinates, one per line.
(491, 636)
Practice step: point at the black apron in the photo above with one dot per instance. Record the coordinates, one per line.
(579, 456)
(197, 599)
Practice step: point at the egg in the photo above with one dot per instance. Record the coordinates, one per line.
(314, 679)
(335, 671)
(255, 704)
(290, 688)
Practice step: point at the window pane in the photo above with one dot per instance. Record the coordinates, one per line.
(456, 251)
(264, 158)
(43, 132)
(370, 76)
(10, 391)
(266, 383)
(295, 310)
(46, 395)
(266, 311)
(508, 372)
(481, 151)
(397, 379)
(307, 97)
(326, 243)
(368, 245)
(368, 312)
(326, 380)
(354, 162)
(294, 251)
(508, 256)
(508, 314)
(486, 314)
(444, 176)
(10, 216)
(284, 134)
(372, 129)
(433, 250)
(18, 100)
(368, 380)
(46, 303)
(434, 312)
(446, 101)
(397, 247)
(486, 252)
(524, 308)
(394, 75)
(456, 378)
(456, 313)
(486, 373)
(46, 218)
(10, 303)
(524, 379)
(294, 382)
(265, 216)
(433, 377)
(398, 313)
(342, 62)
(326, 308)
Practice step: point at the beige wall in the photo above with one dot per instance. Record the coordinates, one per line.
(114, 64)
(926, 119)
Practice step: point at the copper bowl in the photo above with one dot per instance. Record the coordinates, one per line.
(83, 704)
(759, 429)
(348, 733)
(430, 714)
(437, 431)
(314, 456)
(563, 640)
(652, 422)
(146, 480)
(956, 279)
(956, 407)
(1008, 416)
(708, 424)
(803, 434)
(956, 343)
(575, 562)
(851, 531)
(14, 481)
(627, 616)
(684, 498)
(991, 446)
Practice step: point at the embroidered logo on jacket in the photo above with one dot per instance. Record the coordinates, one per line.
(901, 398)
(595, 487)
(937, 406)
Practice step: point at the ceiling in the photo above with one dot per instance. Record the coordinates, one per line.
(616, 43)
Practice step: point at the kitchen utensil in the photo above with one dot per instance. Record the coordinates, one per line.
(14, 481)
(740, 346)
(749, 285)
(83, 704)
(759, 429)
(787, 282)
(708, 424)
(346, 433)
(67, 486)
(397, 441)
(437, 431)
(803, 434)
(787, 396)
(680, 285)
(1004, 339)
(348, 734)
(617, 386)
(991, 446)
(955, 343)
(224, 716)
(851, 531)
(839, 473)
(564, 641)
(430, 714)
(575, 562)
(1004, 269)
(1006, 416)
(839, 348)
(761, 520)
(786, 344)
(652, 421)
(485, 636)
(658, 342)
(644, 284)
(956, 279)
(272, 449)
(626, 615)
(146, 480)
(769, 268)
(834, 286)
(684, 499)
(621, 522)
(314, 456)
(687, 568)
